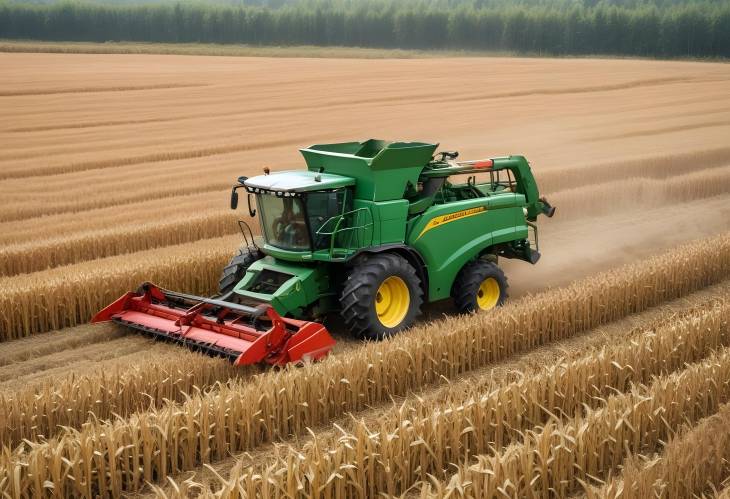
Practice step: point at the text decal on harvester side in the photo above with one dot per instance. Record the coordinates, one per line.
(444, 219)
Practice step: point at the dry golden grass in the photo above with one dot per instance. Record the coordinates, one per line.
(152, 445)
(561, 178)
(66, 296)
(128, 215)
(564, 456)
(634, 193)
(420, 441)
(117, 390)
(42, 254)
(694, 462)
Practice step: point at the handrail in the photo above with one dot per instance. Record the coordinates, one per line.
(338, 220)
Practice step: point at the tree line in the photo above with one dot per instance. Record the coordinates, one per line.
(636, 28)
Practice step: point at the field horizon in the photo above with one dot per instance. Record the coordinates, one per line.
(299, 51)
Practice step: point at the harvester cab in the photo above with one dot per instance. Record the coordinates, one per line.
(370, 230)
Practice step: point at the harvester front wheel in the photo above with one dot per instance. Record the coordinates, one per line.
(382, 295)
(480, 285)
(236, 269)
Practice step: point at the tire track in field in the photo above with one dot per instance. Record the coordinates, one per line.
(84, 90)
(651, 82)
(662, 130)
(94, 124)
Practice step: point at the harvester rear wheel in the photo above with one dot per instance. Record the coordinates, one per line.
(236, 269)
(480, 285)
(382, 295)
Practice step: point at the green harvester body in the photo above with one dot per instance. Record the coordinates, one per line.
(362, 198)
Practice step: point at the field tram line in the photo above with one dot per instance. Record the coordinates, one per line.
(419, 442)
(84, 90)
(108, 458)
(487, 379)
(695, 462)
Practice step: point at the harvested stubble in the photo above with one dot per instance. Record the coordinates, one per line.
(421, 440)
(43, 254)
(115, 391)
(632, 193)
(693, 463)
(109, 458)
(564, 456)
(66, 296)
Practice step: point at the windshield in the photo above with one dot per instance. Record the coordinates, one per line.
(283, 222)
(293, 223)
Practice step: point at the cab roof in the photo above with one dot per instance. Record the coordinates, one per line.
(298, 181)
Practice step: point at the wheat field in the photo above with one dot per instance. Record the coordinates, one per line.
(604, 376)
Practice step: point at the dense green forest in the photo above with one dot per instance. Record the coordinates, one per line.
(657, 28)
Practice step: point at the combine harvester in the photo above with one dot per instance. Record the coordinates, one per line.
(371, 230)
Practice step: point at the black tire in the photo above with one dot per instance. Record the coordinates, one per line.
(358, 300)
(466, 288)
(236, 269)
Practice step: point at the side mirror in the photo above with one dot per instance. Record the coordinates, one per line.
(234, 199)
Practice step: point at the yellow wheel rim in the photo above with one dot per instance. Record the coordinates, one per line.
(488, 293)
(392, 301)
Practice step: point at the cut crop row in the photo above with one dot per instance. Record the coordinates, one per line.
(40, 409)
(117, 390)
(695, 462)
(656, 167)
(424, 439)
(634, 192)
(152, 445)
(70, 295)
(44, 254)
(565, 456)
(92, 220)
